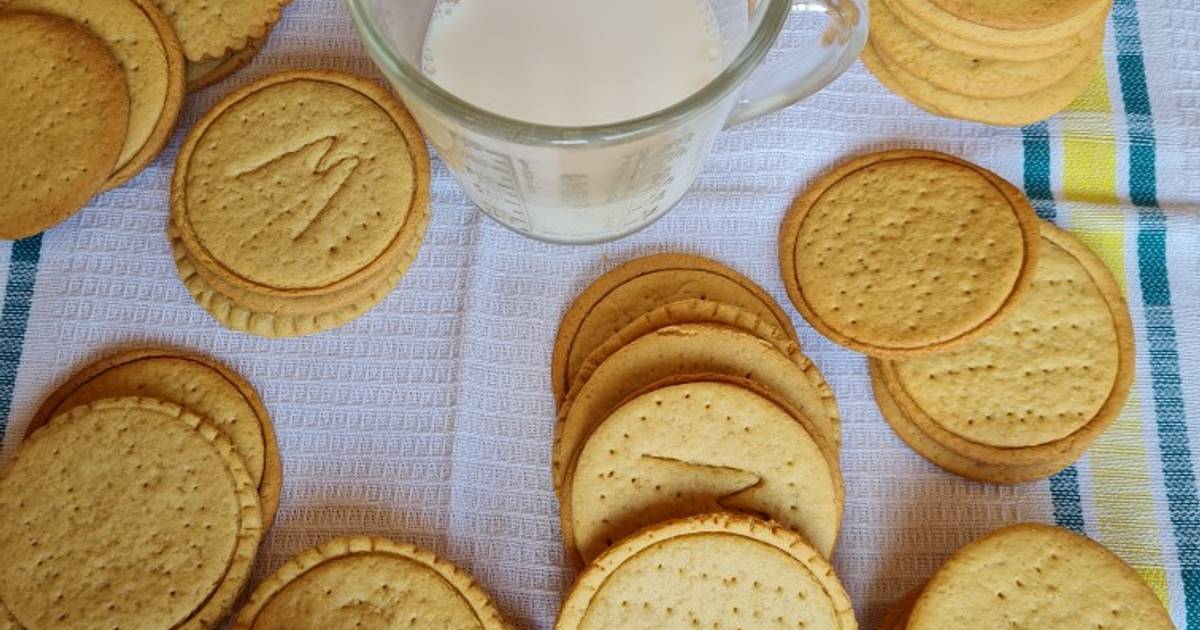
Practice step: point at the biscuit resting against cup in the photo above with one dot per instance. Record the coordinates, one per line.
(299, 202)
(65, 106)
(902, 253)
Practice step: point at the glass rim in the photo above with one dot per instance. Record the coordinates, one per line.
(479, 119)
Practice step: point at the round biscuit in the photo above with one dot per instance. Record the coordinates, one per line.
(1041, 386)
(1031, 575)
(65, 106)
(746, 451)
(693, 348)
(126, 512)
(639, 286)
(903, 253)
(364, 582)
(705, 571)
(196, 383)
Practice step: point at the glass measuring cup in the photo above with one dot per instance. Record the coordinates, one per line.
(599, 183)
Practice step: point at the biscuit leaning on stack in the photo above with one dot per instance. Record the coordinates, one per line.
(363, 582)
(993, 62)
(685, 394)
(125, 507)
(92, 102)
(1031, 576)
(299, 202)
(1000, 346)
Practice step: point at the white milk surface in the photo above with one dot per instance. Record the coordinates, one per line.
(572, 62)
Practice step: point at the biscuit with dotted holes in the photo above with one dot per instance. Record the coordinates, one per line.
(701, 311)
(1036, 576)
(298, 202)
(694, 348)
(966, 74)
(65, 107)
(943, 456)
(142, 40)
(902, 253)
(368, 583)
(1041, 386)
(708, 571)
(126, 512)
(745, 451)
(195, 382)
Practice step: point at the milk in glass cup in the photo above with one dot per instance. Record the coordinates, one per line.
(580, 121)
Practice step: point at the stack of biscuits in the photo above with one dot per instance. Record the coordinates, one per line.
(1000, 346)
(98, 89)
(139, 497)
(689, 421)
(299, 202)
(1003, 63)
(1031, 576)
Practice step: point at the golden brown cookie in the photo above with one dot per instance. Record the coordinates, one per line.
(298, 202)
(197, 383)
(903, 253)
(705, 571)
(1036, 576)
(215, 28)
(142, 40)
(965, 74)
(364, 582)
(1041, 386)
(262, 315)
(1008, 22)
(943, 456)
(690, 349)
(1008, 52)
(745, 450)
(126, 512)
(65, 107)
(640, 286)
(1013, 111)
(201, 74)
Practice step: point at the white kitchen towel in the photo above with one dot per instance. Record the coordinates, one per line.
(429, 420)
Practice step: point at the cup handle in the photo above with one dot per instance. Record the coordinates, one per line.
(802, 72)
